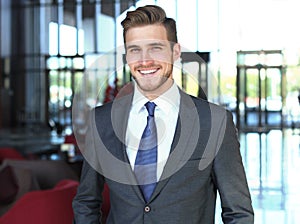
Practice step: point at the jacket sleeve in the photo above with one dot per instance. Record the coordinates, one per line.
(230, 177)
(88, 200)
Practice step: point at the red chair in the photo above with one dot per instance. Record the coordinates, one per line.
(44, 206)
(70, 139)
(10, 153)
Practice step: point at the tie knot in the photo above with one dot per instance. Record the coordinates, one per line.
(150, 108)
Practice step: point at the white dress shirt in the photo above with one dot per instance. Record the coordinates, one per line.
(166, 115)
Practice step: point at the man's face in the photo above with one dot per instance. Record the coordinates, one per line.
(150, 58)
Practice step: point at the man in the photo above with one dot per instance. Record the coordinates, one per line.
(192, 145)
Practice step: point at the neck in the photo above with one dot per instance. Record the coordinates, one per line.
(151, 95)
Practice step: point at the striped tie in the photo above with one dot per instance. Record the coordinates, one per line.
(146, 159)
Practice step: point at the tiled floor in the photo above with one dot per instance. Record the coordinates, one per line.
(272, 164)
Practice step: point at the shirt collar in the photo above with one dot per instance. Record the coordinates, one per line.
(168, 101)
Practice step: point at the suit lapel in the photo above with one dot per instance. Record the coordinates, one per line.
(183, 145)
(120, 113)
(184, 141)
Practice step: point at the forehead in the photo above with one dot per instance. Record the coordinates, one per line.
(146, 33)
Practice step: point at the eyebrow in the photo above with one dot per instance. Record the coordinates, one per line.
(132, 46)
(150, 44)
(156, 44)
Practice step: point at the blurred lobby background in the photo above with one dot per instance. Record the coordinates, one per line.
(245, 55)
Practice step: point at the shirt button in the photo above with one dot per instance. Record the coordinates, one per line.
(147, 209)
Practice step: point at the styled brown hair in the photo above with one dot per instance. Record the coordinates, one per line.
(149, 15)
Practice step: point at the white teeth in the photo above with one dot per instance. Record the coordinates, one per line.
(148, 71)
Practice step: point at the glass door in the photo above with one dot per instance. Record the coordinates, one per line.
(259, 91)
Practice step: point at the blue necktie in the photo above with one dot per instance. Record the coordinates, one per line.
(146, 159)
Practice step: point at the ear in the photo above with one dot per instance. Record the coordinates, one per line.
(176, 51)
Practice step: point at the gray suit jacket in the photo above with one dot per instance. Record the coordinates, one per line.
(205, 158)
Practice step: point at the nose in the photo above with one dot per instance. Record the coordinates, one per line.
(145, 57)
(141, 56)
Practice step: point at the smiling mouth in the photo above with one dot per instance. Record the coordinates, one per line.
(148, 71)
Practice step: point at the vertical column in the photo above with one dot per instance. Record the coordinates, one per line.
(1, 77)
(117, 13)
(78, 24)
(60, 20)
(96, 25)
(17, 64)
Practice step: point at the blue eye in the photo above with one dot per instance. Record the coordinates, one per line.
(134, 50)
(156, 48)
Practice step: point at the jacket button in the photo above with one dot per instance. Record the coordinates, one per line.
(147, 209)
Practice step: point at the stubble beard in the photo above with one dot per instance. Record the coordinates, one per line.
(155, 86)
